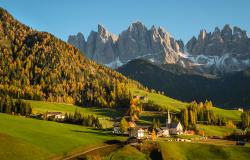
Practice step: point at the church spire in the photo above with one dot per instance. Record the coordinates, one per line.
(168, 121)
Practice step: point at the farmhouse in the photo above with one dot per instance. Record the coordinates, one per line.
(56, 115)
(165, 131)
(136, 132)
(116, 128)
(158, 132)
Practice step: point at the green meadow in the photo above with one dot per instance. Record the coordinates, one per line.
(159, 99)
(24, 138)
(43, 106)
(105, 115)
(229, 114)
(173, 104)
(146, 117)
(215, 130)
(126, 153)
(197, 151)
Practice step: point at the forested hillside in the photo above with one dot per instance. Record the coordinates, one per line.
(37, 65)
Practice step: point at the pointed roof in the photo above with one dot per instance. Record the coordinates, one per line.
(175, 124)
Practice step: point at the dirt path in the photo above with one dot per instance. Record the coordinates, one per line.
(86, 151)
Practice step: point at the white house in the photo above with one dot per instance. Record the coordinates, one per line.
(165, 131)
(116, 128)
(56, 115)
(140, 133)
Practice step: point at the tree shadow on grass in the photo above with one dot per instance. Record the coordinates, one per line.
(115, 141)
(109, 112)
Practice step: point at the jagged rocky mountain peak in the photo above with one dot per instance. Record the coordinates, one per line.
(227, 28)
(216, 29)
(104, 33)
(226, 32)
(181, 45)
(238, 32)
(137, 25)
(163, 32)
(220, 42)
(77, 38)
(101, 28)
(202, 34)
(78, 41)
(222, 50)
(153, 28)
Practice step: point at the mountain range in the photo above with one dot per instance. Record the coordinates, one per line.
(211, 66)
(135, 42)
(218, 52)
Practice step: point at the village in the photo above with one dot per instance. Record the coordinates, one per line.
(170, 128)
(138, 133)
(127, 126)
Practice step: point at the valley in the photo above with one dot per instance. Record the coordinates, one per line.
(44, 136)
(44, 139)
(225, 92)
(139, 94)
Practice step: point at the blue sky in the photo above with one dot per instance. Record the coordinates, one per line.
(182, 18)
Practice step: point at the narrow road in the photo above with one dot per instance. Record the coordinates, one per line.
(84, 152)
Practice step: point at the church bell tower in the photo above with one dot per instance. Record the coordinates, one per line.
(168, 120)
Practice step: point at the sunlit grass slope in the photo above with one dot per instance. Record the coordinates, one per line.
(196, 151)
(22, 138)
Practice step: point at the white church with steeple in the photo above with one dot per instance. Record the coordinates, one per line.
(173, 127)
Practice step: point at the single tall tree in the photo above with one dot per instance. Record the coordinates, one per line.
(123, 125)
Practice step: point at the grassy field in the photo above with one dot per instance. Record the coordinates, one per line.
(229, 114)
(163, 101)
(173, 104)
(104, 114)
(196, 151)
(126, 153)
(146, 117)
(15, 148)
(24, 138)
(215, 130)
(42, 107)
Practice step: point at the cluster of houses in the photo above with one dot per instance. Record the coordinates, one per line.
(144, 132)
(139, 132)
